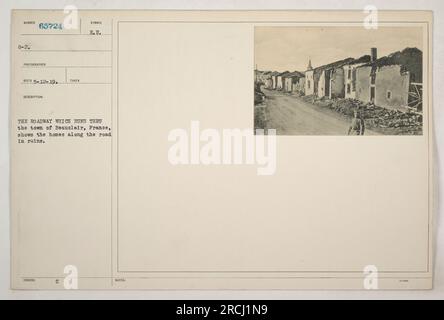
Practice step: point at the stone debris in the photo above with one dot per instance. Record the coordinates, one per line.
(380, 119)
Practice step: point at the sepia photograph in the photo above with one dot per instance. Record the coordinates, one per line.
(338, 80)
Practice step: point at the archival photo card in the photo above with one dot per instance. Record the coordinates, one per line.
(135, 163)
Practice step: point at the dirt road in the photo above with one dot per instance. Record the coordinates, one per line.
(290, 115)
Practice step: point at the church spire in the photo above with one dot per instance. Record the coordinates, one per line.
(309, 65)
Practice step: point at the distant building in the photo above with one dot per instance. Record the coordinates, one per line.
(273, 80)
(299, 88)
(280, 80)
(394, 81)
(291, 81)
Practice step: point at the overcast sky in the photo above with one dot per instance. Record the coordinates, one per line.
(289, 48)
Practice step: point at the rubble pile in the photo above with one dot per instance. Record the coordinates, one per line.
(380, 119)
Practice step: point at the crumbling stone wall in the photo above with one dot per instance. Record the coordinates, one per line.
(391, 86)
(309, 83)
(337, 84)
(389, 79)
(363, 83)
(321, 84)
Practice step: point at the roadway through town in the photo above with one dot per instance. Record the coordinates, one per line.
(290, 115)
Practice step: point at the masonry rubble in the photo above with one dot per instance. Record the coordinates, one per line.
(409, 122)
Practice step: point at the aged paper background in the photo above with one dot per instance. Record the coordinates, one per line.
(127, 219)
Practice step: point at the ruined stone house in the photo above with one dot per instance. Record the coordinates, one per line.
(280, 80)
(272, 82)
(350, 73)
(327, 80)
(392, 81)
(331, 79)
(292, 81)
(299, 88)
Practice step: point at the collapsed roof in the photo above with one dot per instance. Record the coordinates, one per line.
(295, 74)
(408, 59)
